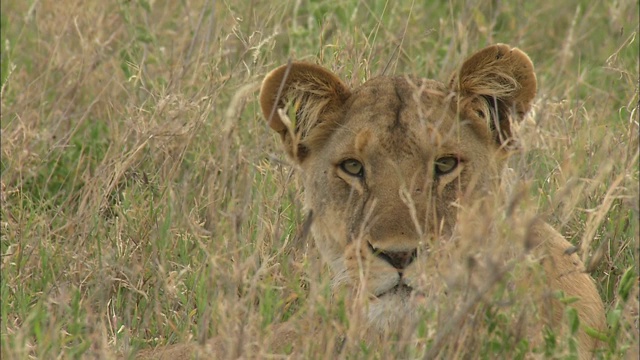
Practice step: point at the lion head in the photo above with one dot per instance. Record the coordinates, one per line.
(385, 166)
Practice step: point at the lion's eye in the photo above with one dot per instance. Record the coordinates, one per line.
(445, 165)
(352, 167)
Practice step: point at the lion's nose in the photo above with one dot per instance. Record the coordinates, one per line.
(398, 259)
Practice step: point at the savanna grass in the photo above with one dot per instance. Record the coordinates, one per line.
(145, 202)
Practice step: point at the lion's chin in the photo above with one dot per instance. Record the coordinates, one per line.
(394, 308)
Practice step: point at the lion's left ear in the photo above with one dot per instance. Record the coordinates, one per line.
(317, 96)
(503, 77)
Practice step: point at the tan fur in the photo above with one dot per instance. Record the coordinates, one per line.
(397, 127)
(375, 230)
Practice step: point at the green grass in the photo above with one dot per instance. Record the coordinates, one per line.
(145, 201)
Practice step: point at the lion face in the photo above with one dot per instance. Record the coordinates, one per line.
(387, 165)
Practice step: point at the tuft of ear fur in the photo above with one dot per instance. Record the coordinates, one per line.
(316, 95)
(504, 78)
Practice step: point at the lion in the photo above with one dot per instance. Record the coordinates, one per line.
(388, 169)
(387, 166)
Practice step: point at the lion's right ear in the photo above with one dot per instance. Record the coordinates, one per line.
(317, 97)
(503, 79)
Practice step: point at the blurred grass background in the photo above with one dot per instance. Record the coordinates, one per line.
(145, 201)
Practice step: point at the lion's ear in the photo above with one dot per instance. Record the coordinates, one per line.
(503, 77)
(315, 94)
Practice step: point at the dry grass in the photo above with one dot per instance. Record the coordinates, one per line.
(145, 202)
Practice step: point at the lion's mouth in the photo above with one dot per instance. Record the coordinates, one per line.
(401, 289)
